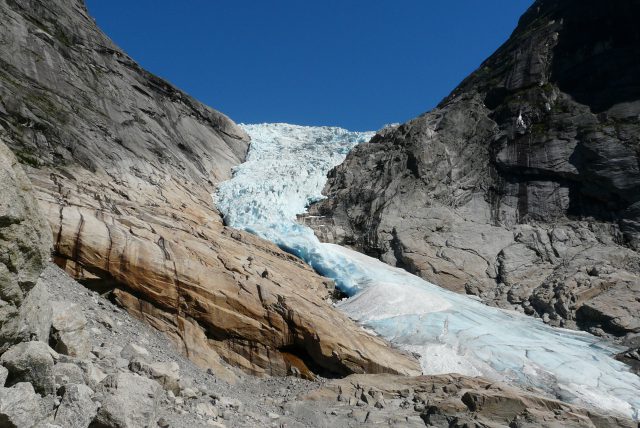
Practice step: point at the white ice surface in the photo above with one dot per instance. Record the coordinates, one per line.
(286, 170)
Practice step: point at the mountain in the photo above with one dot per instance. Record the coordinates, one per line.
(522, 186)
(111, 170)
(123, 166)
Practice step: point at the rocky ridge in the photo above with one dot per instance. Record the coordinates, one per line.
(521, 187)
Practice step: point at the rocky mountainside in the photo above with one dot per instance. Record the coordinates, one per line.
(111, 170)
(69, 358)
(522, 186)
(123, 165)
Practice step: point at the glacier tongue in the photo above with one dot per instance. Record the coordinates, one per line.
(286, 170)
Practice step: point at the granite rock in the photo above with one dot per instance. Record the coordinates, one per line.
(68, 330)
(21, 407)
(77, 408)
(30, 362)
(127, 401)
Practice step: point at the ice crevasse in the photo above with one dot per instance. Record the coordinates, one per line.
(286, 169)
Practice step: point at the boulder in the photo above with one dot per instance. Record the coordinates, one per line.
(68, 330)
(77, 409)
(189, 392)
(67, 373)
(128, 401)
(35, 313)
(206, 410)
(132, 351)
(92, 374)
(30, 362)
(107, 351)
(20, 407)
(632, 358)
(166, 374)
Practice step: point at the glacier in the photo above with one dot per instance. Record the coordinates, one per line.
(286, 170)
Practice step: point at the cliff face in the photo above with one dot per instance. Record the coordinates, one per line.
(522, 186)
(123, 166)
(25, 248)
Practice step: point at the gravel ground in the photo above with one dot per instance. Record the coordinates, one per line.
(251, 401)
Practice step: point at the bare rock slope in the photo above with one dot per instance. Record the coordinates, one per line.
(523, 186)
(123, 165)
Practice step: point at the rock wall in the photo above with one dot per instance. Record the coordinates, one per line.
(25, 249)
(123, 166)
(522, 186)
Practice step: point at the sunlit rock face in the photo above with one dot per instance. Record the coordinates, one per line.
(451, 332)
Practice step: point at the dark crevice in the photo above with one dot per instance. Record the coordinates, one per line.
(412, 165)
(298, 357)
(597, 58)
(398, 253)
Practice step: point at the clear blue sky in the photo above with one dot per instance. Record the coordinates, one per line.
(359, 64)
